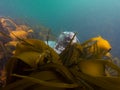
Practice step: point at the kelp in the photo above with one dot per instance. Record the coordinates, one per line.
(8, 40)
(92, 71)
(90, 76)
(34, 53)
(34, 45)
(88, 63)
(9, 33)
(46, 81)
(38, 76)
(96, 47)
(70, 56)
(37, 66)
(71, 53)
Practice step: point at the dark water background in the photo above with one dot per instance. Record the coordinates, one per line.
(87, 17)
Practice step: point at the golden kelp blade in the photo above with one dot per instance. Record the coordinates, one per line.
(19, 34)
(59, 68)
(39, 76)
(33, 45)
(70, 55)
(92, 67)
(107, 83)
(31, 58)
(98, 76)
(39, 80)
(44, 83)
(96, 47)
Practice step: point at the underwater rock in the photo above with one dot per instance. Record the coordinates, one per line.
(63, 40)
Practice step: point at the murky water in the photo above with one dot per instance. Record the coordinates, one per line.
(87, 17)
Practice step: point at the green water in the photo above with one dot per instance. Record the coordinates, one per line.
(87, 17)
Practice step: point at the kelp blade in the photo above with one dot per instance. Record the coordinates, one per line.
(39, 80)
